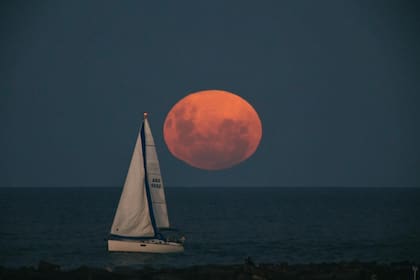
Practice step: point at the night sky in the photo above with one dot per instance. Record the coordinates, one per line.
(336, 85)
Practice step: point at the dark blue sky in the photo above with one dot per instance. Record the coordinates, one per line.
(336, 84)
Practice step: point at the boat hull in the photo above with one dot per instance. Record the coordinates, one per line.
(145, 246)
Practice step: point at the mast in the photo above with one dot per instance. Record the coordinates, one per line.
(146, 179)
(156, 184)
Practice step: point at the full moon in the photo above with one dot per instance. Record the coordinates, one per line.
(212, 129)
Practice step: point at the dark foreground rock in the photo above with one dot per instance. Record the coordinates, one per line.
(248, 270)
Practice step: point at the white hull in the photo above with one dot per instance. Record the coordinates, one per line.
(145, 246)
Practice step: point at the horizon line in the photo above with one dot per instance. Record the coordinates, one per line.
(232, 186)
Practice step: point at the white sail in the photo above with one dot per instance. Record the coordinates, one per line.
(142, 207)
(154, 177)
(132, 218)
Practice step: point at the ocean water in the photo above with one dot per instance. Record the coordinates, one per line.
(68, 226)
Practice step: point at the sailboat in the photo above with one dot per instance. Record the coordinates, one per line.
(142, 213)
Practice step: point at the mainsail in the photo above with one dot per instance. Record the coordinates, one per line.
(132, 218)
(154, 178)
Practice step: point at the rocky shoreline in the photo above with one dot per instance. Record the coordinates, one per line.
(247, 270)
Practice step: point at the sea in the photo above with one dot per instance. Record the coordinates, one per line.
(222, 225)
